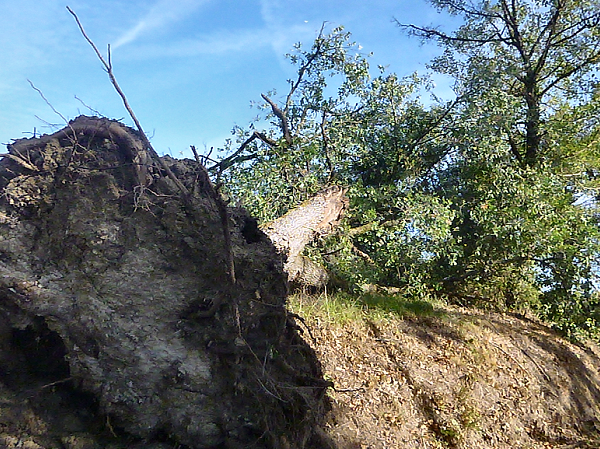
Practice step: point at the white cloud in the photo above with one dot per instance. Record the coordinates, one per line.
(280, 32)
(213, 44)
(162, 14)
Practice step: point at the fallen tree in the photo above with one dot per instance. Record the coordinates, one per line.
(163, 305)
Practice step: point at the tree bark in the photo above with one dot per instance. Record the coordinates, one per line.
(291, 233)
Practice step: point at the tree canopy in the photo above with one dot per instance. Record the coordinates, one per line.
(487, 199)
(535, 51)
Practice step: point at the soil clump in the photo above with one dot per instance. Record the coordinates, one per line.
(122, 324)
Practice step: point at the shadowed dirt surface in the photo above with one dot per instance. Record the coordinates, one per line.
(455, 378)
(121, 323)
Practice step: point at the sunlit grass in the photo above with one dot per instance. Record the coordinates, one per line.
(334, 308)
(342, 308)
(401, 306)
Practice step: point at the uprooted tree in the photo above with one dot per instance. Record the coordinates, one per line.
(129, 281)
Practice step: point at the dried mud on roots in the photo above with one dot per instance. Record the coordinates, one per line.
(120, 326)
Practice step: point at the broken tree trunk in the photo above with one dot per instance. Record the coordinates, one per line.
(127, 283)
(290, 234)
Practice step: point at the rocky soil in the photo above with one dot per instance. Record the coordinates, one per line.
(446, 378)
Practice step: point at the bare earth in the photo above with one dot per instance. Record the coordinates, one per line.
(456, 378)
(451, 378)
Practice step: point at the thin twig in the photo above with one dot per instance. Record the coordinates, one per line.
(92, 110)
(236, 157)
(348, 390)
(21, 161)
(196, 155)
(58, 382)
(52, 126)
(72, 139)
(47, 102)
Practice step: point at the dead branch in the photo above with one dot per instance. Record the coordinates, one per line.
(21, 161)
(47, 102)
(281, 114)
(363, 255)
(305, 67)
(236, 157)
(74, 138)
(202, 160)
(89, 108)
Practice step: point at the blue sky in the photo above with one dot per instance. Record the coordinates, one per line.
(190, 68)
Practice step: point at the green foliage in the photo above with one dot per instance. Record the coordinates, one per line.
(318, 110)
(490, 199)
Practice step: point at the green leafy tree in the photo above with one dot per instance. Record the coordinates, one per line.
(487, 199)
(301, 147)
(526, 155)
(338, 124)
(534, 51)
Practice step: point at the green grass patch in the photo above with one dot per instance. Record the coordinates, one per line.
(344, 307)
(400, 306)
(333, 308)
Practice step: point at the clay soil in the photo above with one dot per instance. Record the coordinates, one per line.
(443, 377)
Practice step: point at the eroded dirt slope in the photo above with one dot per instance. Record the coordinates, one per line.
(456, 378)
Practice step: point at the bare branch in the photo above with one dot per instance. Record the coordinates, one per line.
(47, 102)
(285, 128)
(304, 68)
(593, 59)
(92, 110)
(21, 161)
(74, 137)
(468, 12)
(237, 157)
(428, 33)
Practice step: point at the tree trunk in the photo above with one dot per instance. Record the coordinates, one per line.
(123, 287)
(290, 234)
(532, 125)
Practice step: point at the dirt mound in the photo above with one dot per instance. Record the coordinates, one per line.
(121, 321)
(456, 378)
